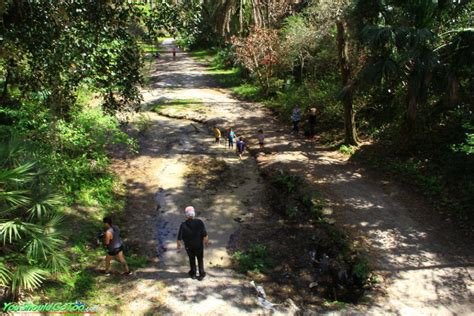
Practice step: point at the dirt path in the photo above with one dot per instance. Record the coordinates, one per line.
(179, 165)
(427, 268)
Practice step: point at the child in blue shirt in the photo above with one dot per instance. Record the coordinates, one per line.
(231, 138)
(240, 147)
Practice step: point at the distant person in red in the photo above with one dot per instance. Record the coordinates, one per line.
(174, 53)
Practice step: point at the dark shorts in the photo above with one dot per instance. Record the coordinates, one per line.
(115, 251)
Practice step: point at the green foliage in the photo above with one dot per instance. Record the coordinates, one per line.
(224, 58)
(134, 261)
(292, 211)
(466, 147)
(220, 20)
(255, 259)
(347, 150)
(247, 91)
(314, 204)
(426, 48)
(179, 106)
(74, 151)
(221, 65)
(49, 50)
(89, 131)
(299, 43)
(411, 72)
(292, 197)
(69, 155)
(177, 19)
(335, 304)
(320, 94)
(29, 222)
(54, 58)
(203, 55)
(361, 270)
(290, 183)
(77, 285)
(143, 123)
(179, 102)
(84, 284)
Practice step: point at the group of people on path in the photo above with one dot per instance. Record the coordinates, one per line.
(240, 142)
(296, 117)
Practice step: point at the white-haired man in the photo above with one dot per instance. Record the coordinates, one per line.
(193, 233)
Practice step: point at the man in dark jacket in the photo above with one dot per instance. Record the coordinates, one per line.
(193, 233)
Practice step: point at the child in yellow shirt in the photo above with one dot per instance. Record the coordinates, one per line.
(217, 134)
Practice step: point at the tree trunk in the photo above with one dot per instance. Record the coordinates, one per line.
(407, 128)
(241, 17)
(350, 130)
(452, 97)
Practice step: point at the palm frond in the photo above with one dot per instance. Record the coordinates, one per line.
(57, 262)
(43, 203)
(54, 221)
(42, 245)
(14, 199)
(402, 37)
(11, 150)
(5, 275)
(378, 70)
(27, 277)
(20, 174)
(378, 36)
(12, 230)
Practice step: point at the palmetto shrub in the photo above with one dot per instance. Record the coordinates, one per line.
(31, 245)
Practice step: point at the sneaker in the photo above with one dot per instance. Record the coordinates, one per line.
(107, 273)
(127, 272)
(192, 275)
(200, 277)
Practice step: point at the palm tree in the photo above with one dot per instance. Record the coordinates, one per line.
(230, 17)
(31, 244)
(405, 45)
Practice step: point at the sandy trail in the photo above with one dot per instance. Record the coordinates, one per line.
(160, 176)
(427, 268)
(221, 292)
